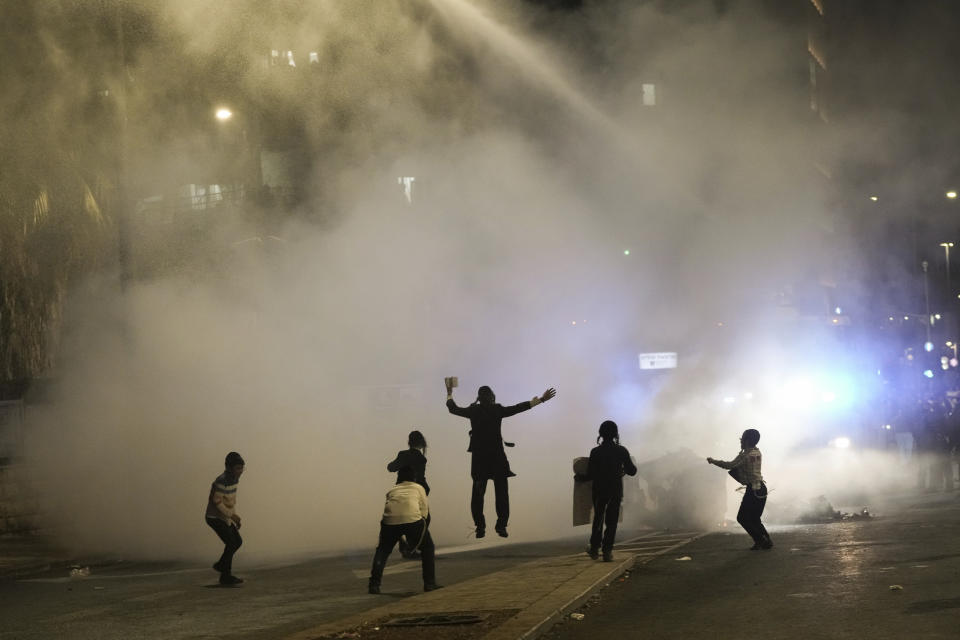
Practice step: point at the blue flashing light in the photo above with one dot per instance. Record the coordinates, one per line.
(928, 346)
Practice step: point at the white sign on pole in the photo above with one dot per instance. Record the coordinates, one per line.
(667, 360)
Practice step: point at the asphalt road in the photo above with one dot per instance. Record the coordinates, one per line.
(820, 581)
(167, 600)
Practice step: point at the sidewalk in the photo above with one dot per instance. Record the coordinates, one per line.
(521, 601)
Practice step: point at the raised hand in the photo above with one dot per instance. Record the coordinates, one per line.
(549, 393)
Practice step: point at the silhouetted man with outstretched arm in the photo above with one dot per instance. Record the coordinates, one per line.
(745, 469)
(488, 459)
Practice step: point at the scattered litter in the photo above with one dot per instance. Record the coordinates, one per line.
(376, 628)
(684, 558)
(79, 572)
(795, 549)
(896, 587)
(577, 616)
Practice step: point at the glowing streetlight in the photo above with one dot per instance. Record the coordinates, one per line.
(874, 198)
(952, 194)
(223, 114)
(626, 252)
(946, 249)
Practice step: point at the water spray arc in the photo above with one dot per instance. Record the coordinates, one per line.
(527, 59)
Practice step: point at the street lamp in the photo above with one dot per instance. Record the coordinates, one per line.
(946, 250)
(926, 297)
(224, 114)
(952, 194)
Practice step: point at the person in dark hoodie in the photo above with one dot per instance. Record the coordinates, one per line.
(415, 459)
(488, 459)
(745, 469)
(608, 463)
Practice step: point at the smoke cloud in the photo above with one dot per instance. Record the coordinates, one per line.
(556, 228)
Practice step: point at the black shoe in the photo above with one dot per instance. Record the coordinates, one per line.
(433, 586)
(594, 553)
(481, 531)
(501, 530)
(217, 567)
(608, 556)
(373, 589)
(766, 544)
(229, 581)
(756, 547)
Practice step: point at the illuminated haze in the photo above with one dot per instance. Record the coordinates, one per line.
(315, 354)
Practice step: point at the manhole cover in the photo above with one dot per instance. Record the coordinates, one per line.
(434, 620)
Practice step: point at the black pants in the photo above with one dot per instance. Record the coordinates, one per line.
(502, 500)
(751, 508)
(415, 532)
(231, 541)
(606, 510)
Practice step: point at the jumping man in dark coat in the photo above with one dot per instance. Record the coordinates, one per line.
(489, 460)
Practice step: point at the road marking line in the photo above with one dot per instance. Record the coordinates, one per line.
(119, 577)
(402, 567)
(82, 613)
(153, 597)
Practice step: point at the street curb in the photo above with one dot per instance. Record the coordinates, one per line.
(531, 621)
(547, 622)
(23, 569)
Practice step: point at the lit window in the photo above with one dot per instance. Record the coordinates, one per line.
(274, 57)
(314, 57)
(406, 182)
(649, 95)
(290, 59)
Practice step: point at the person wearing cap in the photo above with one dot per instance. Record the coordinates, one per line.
(413, 457)
(745, 469)
(406, 512)
(488, 459)
(222, 517)
(608, 463)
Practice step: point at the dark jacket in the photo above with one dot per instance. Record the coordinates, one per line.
(608, 462)
(415, 460)
(489, 460)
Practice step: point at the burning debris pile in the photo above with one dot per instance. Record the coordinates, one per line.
(819, 510)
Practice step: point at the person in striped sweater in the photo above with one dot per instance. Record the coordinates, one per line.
(222, 516)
